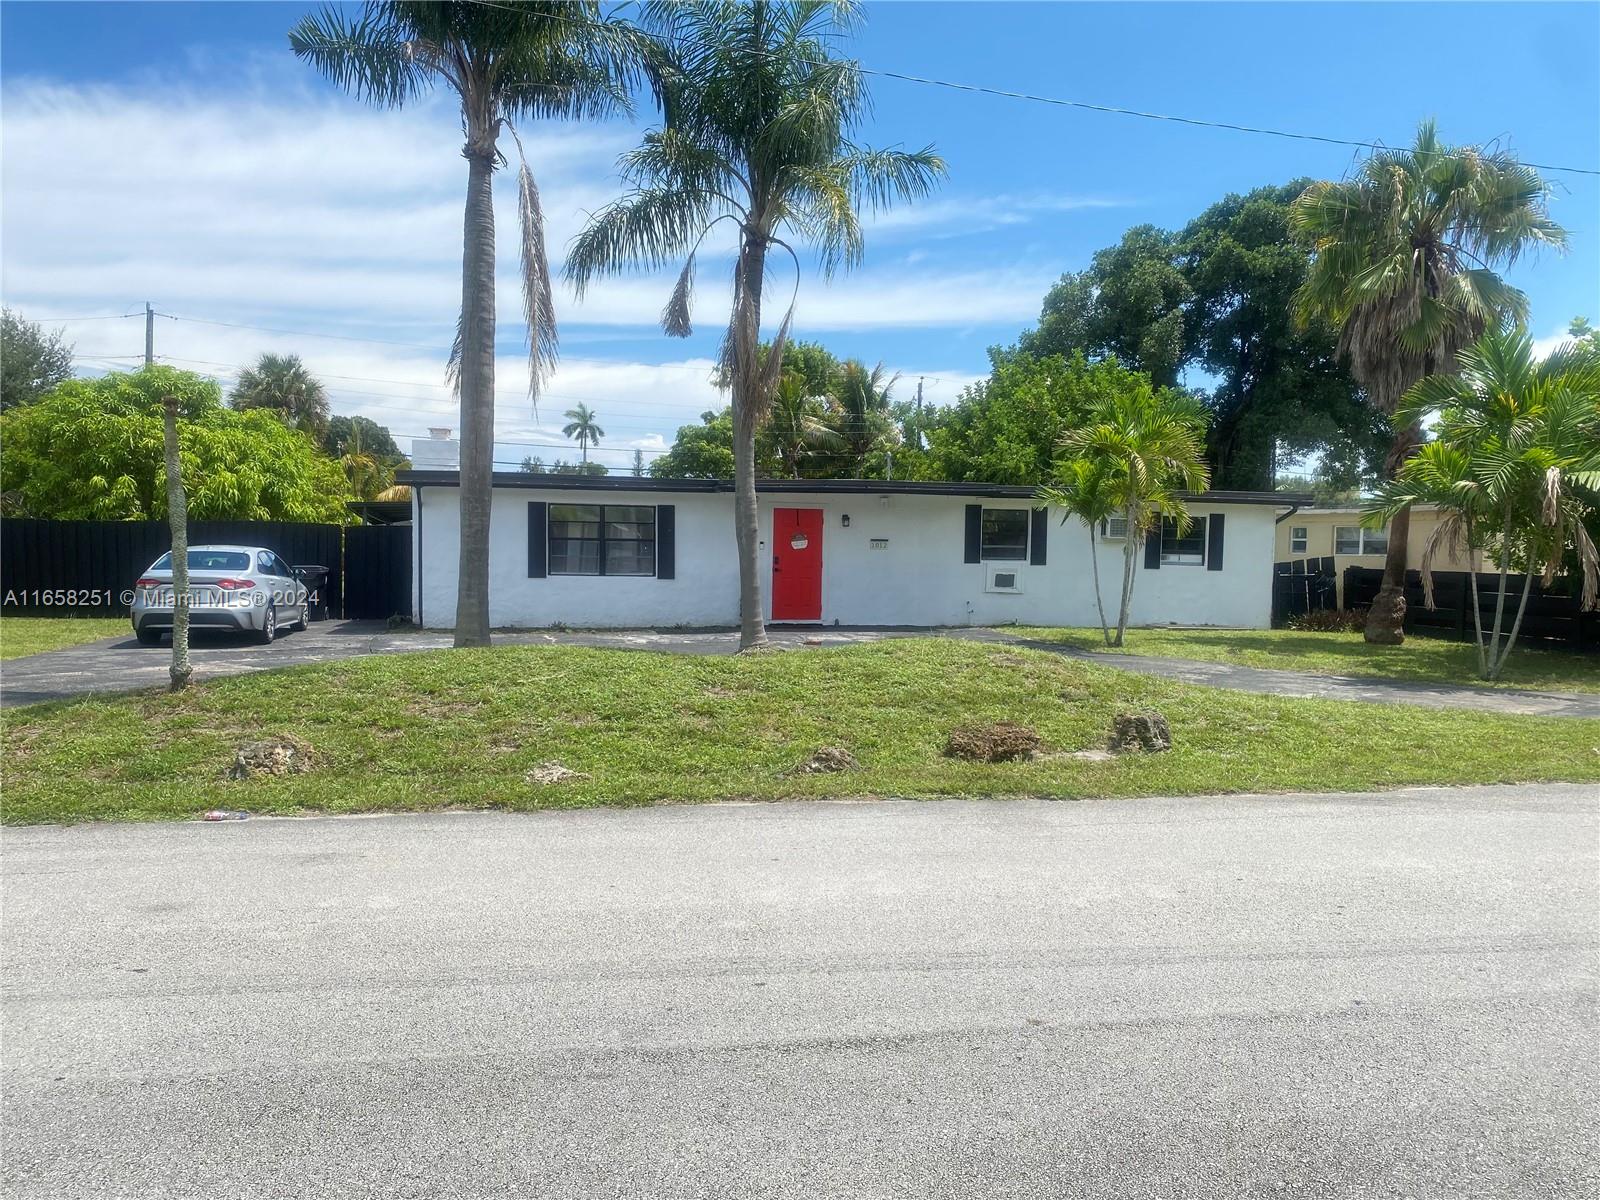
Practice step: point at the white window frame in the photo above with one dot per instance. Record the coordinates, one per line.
(1299, 539)
(1368, 541)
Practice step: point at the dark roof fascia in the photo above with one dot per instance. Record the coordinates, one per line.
(811, 487)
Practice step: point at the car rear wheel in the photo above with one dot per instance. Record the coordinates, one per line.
(148, 637)
(269, 626)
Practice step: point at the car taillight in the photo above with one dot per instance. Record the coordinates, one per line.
(148, 583)
(235, 585)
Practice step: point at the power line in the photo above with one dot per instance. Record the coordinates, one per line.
(1088, 106)
(434, 347)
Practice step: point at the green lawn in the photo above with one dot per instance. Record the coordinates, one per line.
(443, 729)
(34, 635)
(1424, 659)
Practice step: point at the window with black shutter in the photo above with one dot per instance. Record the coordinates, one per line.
(602, 539)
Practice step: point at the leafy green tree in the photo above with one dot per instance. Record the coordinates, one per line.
(1404, 258)
(31, 360)
(1218, 297)
(347, 433)
(1008, 428)
(1129, 303)
(94, 449)
(582, 426)
(1139, 452)
(759, 115)
(1514, 466)
(532, 466)
(1585, 334)
(505, 63)
(585, 468)
(703, 451)
(281, 383)
(1280, 391)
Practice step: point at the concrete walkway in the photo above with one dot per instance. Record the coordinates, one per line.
(122, 665)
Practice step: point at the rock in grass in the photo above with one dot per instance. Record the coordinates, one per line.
(1001, 741)
(1135, 733)
(828, 760)
(282, 755)
(553, 772)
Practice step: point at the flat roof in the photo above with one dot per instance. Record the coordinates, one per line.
(812, 487)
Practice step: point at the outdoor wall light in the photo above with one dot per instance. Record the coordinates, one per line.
(845, 520)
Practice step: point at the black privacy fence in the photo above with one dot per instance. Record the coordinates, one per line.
(88, 568)
(1553, 615)
(1301, 586)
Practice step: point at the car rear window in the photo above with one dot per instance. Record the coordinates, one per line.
(208, 560)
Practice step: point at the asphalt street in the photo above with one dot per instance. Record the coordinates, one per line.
(1307, 996)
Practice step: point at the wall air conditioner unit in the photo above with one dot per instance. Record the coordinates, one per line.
(1114, 529)
(1004, 579)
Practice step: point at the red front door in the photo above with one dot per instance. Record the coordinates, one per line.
(797, 564)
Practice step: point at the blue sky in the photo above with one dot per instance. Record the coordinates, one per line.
(178, 153)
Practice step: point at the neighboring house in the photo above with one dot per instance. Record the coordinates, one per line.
(1336, 532)
(621, 552)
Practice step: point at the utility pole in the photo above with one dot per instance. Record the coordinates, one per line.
(919, 412)
(149, 334)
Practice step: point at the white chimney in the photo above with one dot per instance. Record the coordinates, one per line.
(438, 452)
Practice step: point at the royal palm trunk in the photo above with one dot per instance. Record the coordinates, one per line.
(746, 412)
(476, 381)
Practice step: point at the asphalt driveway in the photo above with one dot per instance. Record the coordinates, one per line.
(1310, 996)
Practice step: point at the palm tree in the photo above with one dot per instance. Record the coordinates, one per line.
(1514, 464)
(758, 117)
(369, 475)
(581, 425)
(1142, 450)
(281, 382)
(1403, 267)
(861, 400)
(550, 58)
(796, 424)
(1092, 490)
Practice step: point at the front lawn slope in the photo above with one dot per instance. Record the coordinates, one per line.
(462, 728)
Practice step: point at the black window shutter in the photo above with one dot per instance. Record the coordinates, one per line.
(1214, 542)
(538, 546)
(666, 541)
(1036, 541)
(974, 533)
(1152, 548)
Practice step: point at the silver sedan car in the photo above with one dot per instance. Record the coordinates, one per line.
(245, 588)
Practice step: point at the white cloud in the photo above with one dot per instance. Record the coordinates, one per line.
(279, 207)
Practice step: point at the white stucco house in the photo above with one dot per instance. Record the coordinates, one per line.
(632, 552)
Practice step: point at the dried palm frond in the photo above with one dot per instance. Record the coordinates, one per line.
(538, 303)
(675, 320)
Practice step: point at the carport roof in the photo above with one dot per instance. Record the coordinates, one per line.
(810, 487)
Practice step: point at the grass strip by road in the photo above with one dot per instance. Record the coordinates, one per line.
(462, 729)
(21, 636)
(1420, 659)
